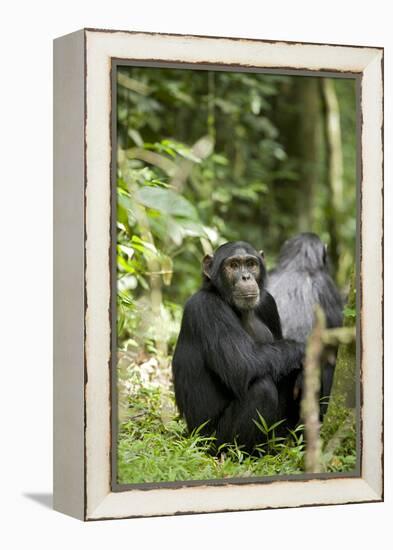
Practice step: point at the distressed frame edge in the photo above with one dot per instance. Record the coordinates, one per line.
(95, 513)
(104, 511)
(235, 38)
(372, 157)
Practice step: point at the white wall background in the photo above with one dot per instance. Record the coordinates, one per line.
(26, 234)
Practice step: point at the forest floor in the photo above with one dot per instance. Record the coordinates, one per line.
(154, 446)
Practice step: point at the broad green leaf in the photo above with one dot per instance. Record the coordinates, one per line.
(142, 246)
(181, 150)
(125, 265)
(136, 137)
(175, 231)
(191, 228)
(349, 312)
(166, 201)
(128, 251)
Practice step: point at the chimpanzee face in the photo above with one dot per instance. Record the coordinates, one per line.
(237, 272)
(241, 272)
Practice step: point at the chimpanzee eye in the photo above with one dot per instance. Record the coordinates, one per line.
(234, 264)
(251, 263)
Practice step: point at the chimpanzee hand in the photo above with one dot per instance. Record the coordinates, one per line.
(298, 386)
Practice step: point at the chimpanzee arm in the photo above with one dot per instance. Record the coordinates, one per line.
(329, 298)
(281, 358)
(282, 353)
(227, 348)
(267, 311)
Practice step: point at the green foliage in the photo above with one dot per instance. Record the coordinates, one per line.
(214, 156)
(349, 312)
(155, 447)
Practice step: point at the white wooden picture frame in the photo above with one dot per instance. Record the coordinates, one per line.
(83, 60)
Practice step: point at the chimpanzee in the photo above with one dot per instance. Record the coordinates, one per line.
(301, 281)
(230, 360)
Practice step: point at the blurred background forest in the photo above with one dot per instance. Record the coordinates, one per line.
(205, 157)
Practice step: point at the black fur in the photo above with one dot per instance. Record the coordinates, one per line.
(222, 374)
(300, 281)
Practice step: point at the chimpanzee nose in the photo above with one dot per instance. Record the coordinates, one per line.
(246, 277)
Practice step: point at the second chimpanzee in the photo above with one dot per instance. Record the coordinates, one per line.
(301, 281)
(230, 360)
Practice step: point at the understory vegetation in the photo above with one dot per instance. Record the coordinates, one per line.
(154, 445)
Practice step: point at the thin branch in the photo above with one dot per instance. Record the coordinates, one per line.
(336, 336)
(132, 84)
(310, 401)
(151, 157)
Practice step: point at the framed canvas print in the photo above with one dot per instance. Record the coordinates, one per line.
(218, 245)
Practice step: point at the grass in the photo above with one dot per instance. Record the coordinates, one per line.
(153, 446)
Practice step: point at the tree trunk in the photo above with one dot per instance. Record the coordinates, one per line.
(334, 164)
(343, 390)
(341, 414)
(308, 145)
(298, 117)
(310, 401)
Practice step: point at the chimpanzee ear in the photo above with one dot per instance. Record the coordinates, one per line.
(207, 265)
(262, 254)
